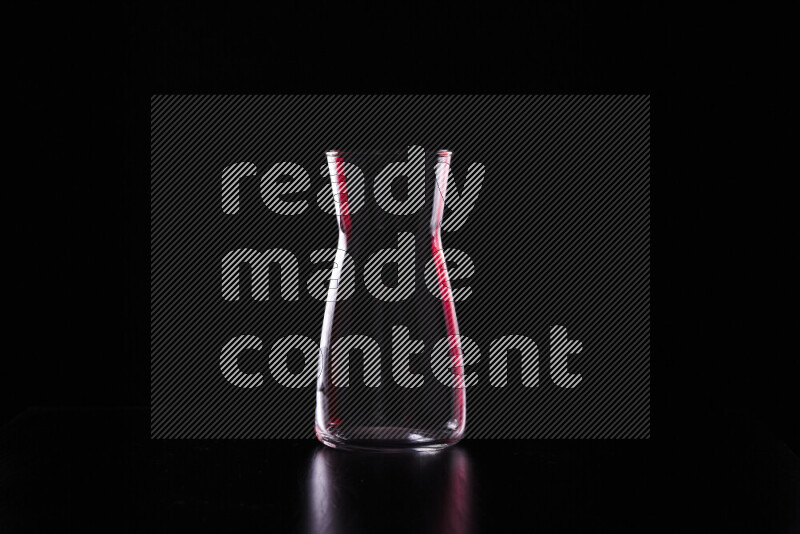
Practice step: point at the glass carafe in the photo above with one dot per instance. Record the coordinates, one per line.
(390, 369)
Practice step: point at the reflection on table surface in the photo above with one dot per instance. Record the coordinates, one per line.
(409, 491)
(98, 469)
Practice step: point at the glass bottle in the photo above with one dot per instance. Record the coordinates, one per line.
(390, 364)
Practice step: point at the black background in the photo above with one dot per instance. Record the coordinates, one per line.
(81, 138)
(77, 246)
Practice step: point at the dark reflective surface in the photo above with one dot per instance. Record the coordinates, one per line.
(403, 492)
(61, 471)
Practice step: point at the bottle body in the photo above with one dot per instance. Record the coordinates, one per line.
(390, 363)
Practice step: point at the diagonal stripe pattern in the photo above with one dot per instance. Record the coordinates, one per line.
(556, 248)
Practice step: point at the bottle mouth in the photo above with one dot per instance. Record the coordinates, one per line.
(339, 153)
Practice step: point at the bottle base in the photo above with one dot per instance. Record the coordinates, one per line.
(402, 440)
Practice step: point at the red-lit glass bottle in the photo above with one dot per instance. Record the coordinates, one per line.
(390, 366)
